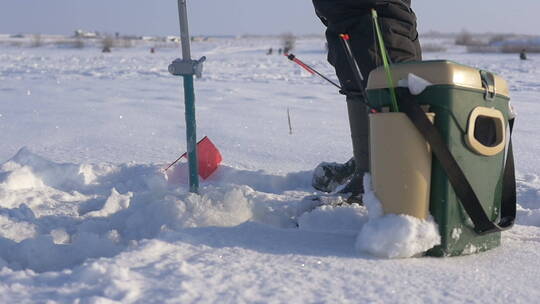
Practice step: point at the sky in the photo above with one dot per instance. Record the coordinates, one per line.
(237, 17)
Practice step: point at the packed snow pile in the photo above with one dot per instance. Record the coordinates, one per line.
(394, 235)
(398, 236)
(62, 214)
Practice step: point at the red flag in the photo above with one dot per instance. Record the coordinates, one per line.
(208, 158)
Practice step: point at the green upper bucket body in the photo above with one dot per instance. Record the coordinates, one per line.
(455, 91)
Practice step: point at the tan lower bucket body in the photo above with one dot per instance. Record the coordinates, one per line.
(400, 164)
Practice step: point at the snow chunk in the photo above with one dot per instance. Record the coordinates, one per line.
(456, 233)
(512, 113)
(87, 173)
(16, 230)
(27, 170)
(371, 201)
(397, 236)
(21, 179)
(60, 236)
(114, 203)
(416, 84)
(215, 207)
(393, 235)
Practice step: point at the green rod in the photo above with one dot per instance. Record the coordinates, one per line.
(384, 55)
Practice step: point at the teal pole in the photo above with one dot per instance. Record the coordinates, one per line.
(189, 100)
(191, 134)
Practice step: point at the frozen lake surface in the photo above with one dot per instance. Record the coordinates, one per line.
(87, 215)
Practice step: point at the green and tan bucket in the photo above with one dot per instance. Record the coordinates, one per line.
(472, 114)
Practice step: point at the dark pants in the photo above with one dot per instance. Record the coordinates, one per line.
(398, 26)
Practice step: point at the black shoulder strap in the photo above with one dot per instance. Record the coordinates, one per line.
(460, 184)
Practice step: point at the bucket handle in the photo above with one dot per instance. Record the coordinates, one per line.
(488, 83)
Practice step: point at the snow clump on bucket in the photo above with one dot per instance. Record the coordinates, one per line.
(394, 235)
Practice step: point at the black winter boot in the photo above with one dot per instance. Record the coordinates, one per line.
(327, 177)
(354, 189)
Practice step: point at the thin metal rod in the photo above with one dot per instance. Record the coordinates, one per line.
(357, 73)
(311, 70)
(174, 162)
(184, 29)
(181, 156)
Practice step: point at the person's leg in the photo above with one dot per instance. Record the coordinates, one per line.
(359, 126)
(357, 111)
(398, 24)
(401, 39)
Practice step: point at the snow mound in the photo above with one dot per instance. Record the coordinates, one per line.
(27, 170)
(217, 206)
(397, 236)
(56, 216)
(393, 235)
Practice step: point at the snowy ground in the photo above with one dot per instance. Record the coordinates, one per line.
(87, 216)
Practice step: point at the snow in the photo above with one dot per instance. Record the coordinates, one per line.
(398, 236)
(416, 84)
(394, 235)
(370, 200)
(87, 214)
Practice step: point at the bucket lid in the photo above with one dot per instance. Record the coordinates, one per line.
(438, 72)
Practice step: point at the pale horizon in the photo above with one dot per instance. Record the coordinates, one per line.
(246, 17)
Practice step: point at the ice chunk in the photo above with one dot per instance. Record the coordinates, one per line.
(114, 203)
(416, 84)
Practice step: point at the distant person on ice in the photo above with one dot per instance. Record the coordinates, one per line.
(523, 55)
(353, 17)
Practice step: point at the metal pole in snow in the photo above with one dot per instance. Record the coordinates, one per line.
(184, 30)
(189, 97)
